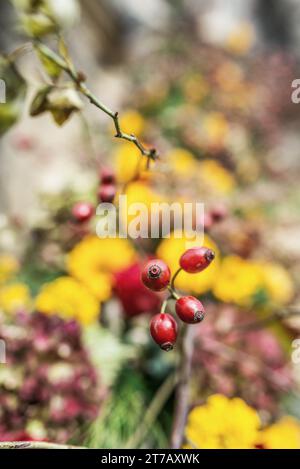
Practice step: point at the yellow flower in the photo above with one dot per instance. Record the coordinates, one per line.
(215, 128)
(238, 280)
(128, 162)
(171, 249)
(94, 260)
(241, 39)
(69, 299)
(8, 267)
(216, 176)
(131, 122)
(14, 297)
(140, 192)
(182, 161)
(277, 282)
(222, 423)
(284, 434)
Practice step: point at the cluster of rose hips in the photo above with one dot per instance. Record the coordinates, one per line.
(82, 212)
(156, 276)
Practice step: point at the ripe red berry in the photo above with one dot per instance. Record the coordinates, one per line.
(82, 211)
(196, 259)
(107, 176)
(156, 275)
(163, 329)
(189, 309)
(106, 193)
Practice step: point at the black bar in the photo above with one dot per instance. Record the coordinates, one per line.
(89, 458)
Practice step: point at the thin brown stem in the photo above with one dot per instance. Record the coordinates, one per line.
(174, 278)
(165, 304)
(173, 293)
(182, 392)
(150, 153)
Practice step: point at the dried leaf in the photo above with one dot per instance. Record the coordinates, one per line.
(40, 101)
(62, 103)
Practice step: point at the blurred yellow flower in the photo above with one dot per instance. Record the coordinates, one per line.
(284, 434)
(241, 39)
(216, 176)
(171, 249)
(182, 162)
(140, 192)
(132, 122)
(215, 128)
(9, 266)
(277, 282)
(69, 299)
(222, 423)
(128, 162)
(94, 260)
(238, 280)
(14, 297)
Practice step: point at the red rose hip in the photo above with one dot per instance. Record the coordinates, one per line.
(189, 309)
(195, 260)
(156, 275)
(163, 329)
(82, 211)
(106, 193)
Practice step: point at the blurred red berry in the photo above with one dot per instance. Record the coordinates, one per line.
(135, 297)
(82, 211)
(107, 176)
(189, 309)
(156, 275)
(163, 329)
(196, 259)
(106, 193)
(218, 213)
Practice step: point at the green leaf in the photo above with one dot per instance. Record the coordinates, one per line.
(38, 24)
(9, 114)
(15, 91)
(51, 67)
